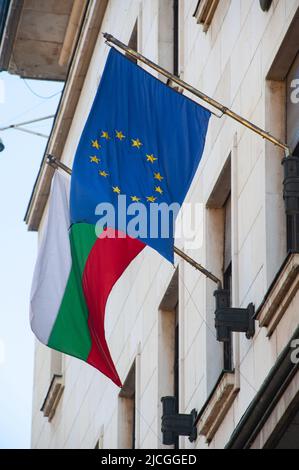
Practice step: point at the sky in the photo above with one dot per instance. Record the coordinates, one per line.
(20, 100)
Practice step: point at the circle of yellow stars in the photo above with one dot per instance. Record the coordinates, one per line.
(136, 144)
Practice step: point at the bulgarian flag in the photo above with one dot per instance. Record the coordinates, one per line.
(72, 282)
(140, 148)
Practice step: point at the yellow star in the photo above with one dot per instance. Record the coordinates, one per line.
(151, 199)
(136, 143)
(105, 135)
(159, 190)
(151, 158)
(120, 135)
(94, 159)
(135, 198)
(103, 173)
(95, 144)
(158, 177)
(116, 189)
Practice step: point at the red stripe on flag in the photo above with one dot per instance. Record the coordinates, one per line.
(108, 259)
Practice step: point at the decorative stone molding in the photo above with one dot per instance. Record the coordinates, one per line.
(280, 295)
(53, 396)
(218, 405)
(204, 12)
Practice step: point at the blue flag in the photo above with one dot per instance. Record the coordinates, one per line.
(139, 151)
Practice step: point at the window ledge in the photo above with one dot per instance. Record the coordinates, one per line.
(280, 295)
(218, 405)
(53, 396)
(205, 11)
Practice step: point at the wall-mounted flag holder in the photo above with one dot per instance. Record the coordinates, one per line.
(176, 424)
(228, 319)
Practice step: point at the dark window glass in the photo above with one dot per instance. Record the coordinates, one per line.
(227, 275)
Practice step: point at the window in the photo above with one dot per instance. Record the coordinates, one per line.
(176, 365)
(56, 386)
(168, 346)
(133, 42)
(292, 118)
(126, 412)
(281, 119)
(100, 441)
(204, 12)
(176, 37)
(219, 261)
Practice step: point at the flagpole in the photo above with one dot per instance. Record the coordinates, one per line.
(228, 112)
(198, 266)
(55, 163)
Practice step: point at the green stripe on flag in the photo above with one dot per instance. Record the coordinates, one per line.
(70, 333)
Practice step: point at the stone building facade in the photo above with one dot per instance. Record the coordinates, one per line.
(160, 320)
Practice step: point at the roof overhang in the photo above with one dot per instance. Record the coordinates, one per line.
(81, 59)
(37, 36)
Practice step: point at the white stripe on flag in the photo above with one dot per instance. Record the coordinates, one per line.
(53, 263)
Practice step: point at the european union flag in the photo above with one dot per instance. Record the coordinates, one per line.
(141, 145)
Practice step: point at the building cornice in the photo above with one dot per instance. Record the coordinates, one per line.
(53, 396)
(280, 295)
(266, 399)
(218, 405)
(78, 69)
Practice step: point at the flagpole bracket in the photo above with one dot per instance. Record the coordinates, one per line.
(55, 163)
(52, 161)
(230, 319)
(177, 424)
